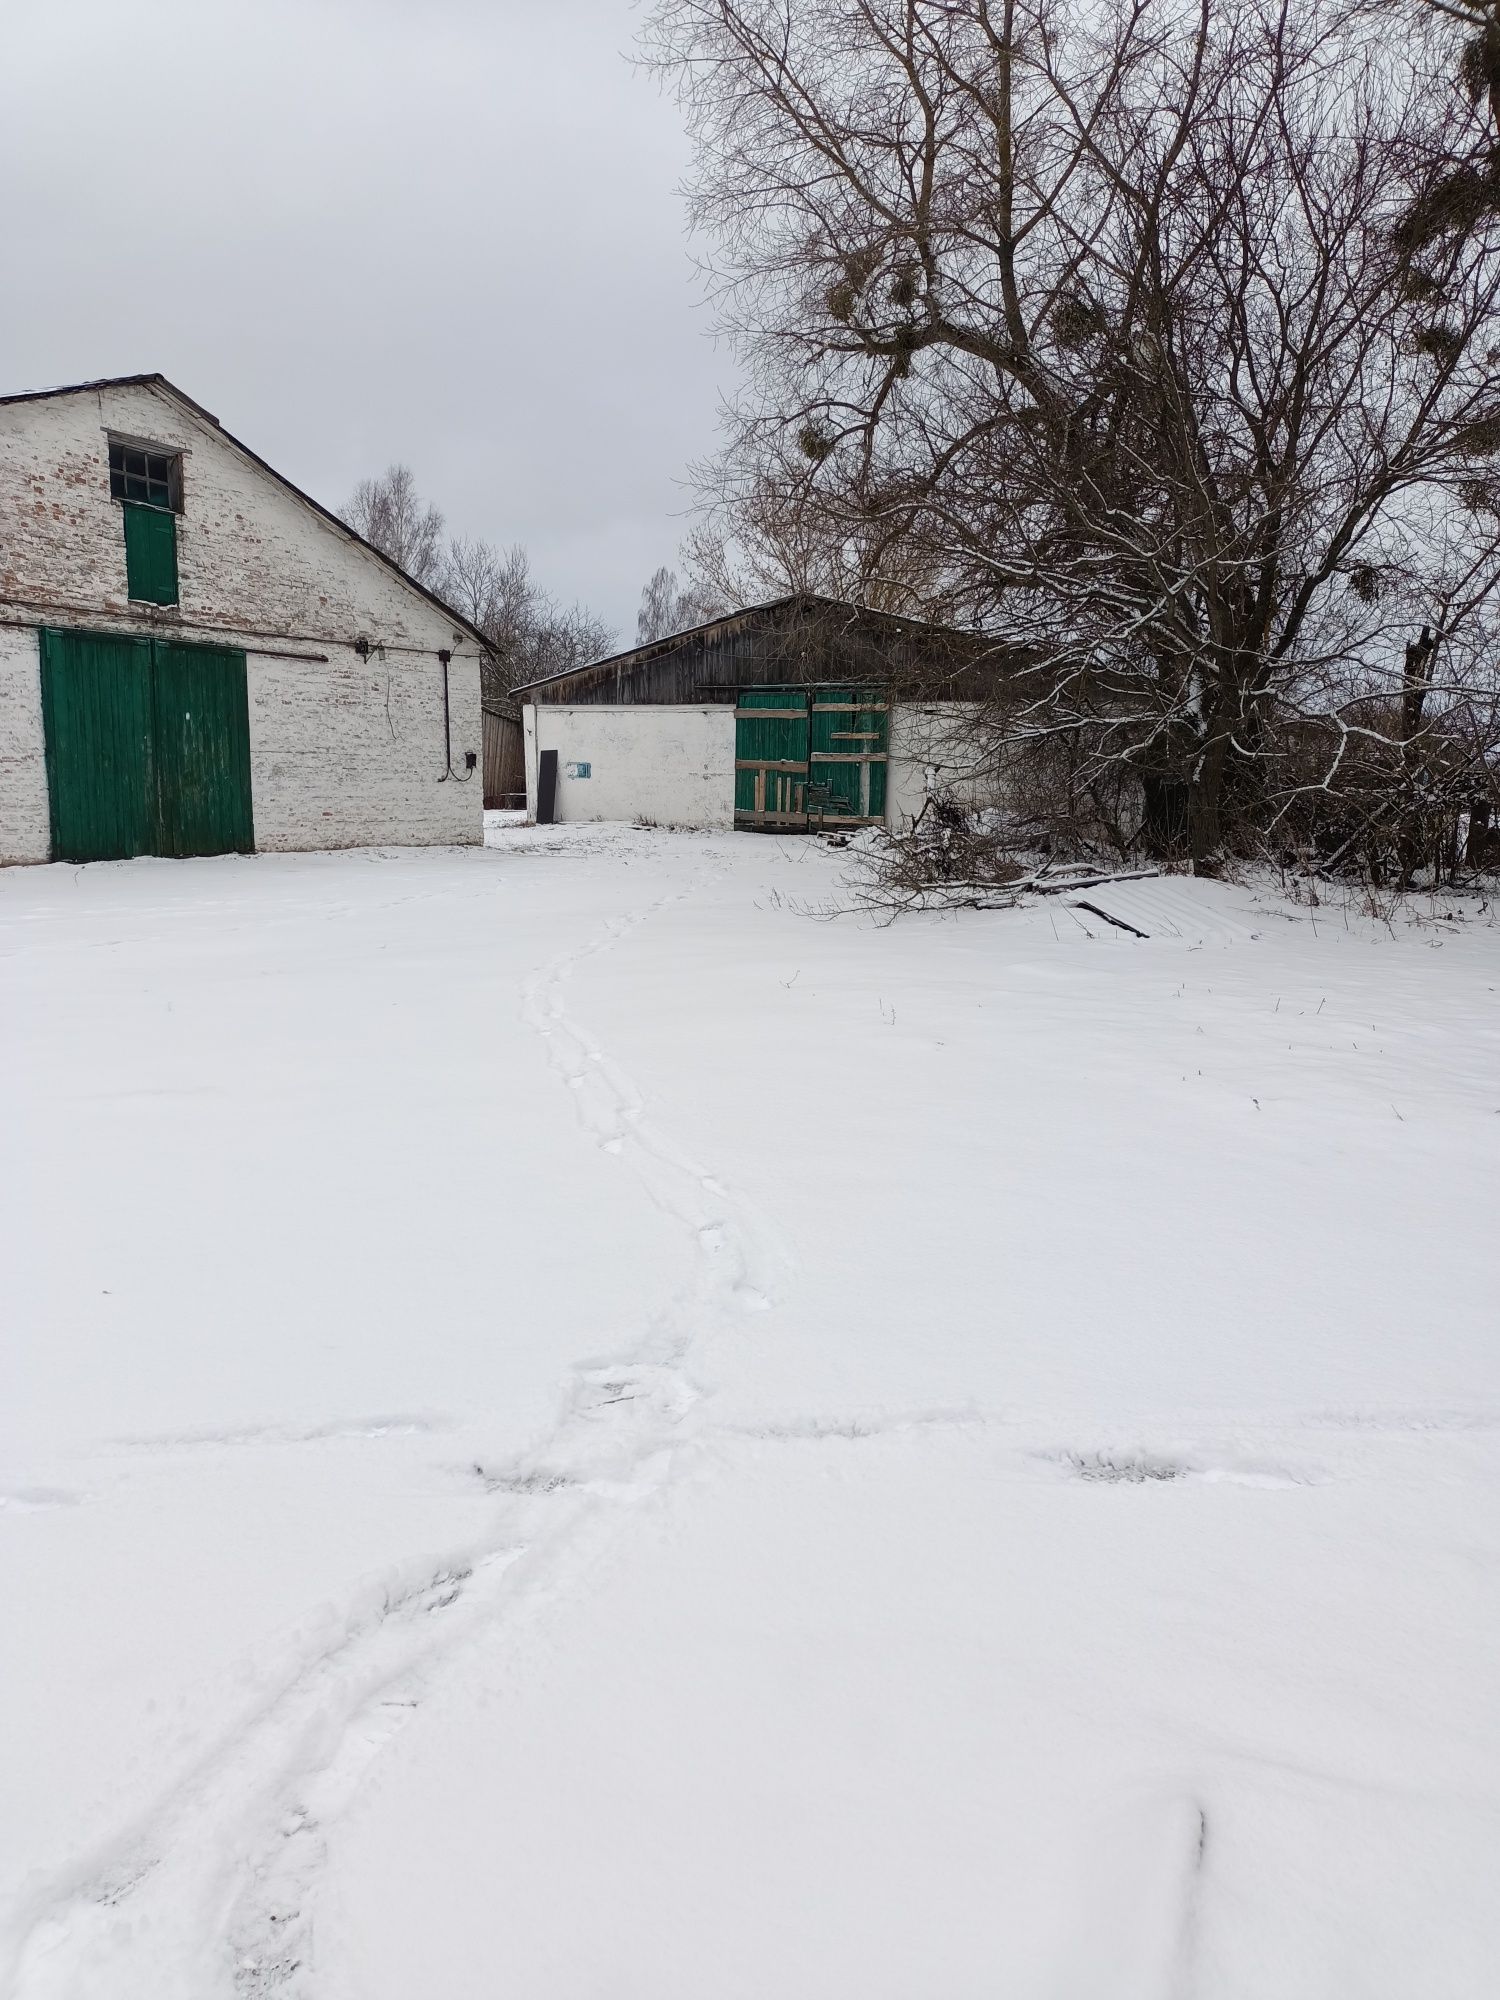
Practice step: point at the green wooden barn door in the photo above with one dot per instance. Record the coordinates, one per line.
(202, 750)
(848, 754)
(770, 759)
(148, 747)
(96, 716)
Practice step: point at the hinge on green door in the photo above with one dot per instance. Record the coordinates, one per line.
(150, 553)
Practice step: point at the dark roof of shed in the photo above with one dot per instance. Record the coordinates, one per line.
(614, 664)
(653, 648)
(158, 381)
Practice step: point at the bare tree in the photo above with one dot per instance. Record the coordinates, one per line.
(389, 513)
(1460, 186)
(1091, 326)
(668, 606)
(565, 636)
(529, 635)
(765, 530)
(492, 587)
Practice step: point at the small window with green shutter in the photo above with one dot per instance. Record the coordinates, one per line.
(148, 485)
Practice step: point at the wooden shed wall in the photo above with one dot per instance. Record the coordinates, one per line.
(798, 643)
(504, 762)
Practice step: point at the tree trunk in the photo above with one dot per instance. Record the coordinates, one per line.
(1165, 800)
(1415, 683)
(1205, 796)
(1477, 854)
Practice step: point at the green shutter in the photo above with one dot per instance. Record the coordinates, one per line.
(202, 750)
(150, 553)
(101, 778)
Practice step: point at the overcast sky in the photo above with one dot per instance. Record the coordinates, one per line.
(443, 231)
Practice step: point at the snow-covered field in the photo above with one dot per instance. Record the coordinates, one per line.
(571, 1430)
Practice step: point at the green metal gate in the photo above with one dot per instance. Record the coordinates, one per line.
(148, 747)
(810, 757)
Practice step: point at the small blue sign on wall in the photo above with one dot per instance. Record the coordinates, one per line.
(579, 770)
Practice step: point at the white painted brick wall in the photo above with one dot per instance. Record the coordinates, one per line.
(940, 747)
(338, 759)
(24, 825)
(668, 764)
(347, 753)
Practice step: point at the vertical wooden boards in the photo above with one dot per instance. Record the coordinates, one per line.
(147, 745)
(770, 759)
(850, 743)
(202, 722)
(504, 761)
(810, 757)
(96, 716)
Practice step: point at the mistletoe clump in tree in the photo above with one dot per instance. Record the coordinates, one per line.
(1101, 329)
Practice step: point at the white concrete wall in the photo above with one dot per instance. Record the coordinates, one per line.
(935, 749)
(25, 828)
(675, 765)
(344, 751)
(671, 765)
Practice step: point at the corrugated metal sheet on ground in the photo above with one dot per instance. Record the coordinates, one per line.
(1184, 908)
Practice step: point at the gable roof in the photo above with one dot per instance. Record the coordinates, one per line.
(207, 417)
(608, 664)
(654, 648)
(729, 641)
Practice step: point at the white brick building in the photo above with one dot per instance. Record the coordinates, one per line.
(196, 657)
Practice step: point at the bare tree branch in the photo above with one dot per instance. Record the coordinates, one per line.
(1093, 329)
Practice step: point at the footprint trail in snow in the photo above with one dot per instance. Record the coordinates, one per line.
(213, 1894)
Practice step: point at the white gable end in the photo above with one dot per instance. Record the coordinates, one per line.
(352, 740)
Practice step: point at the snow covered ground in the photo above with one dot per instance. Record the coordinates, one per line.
(573, 1428)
